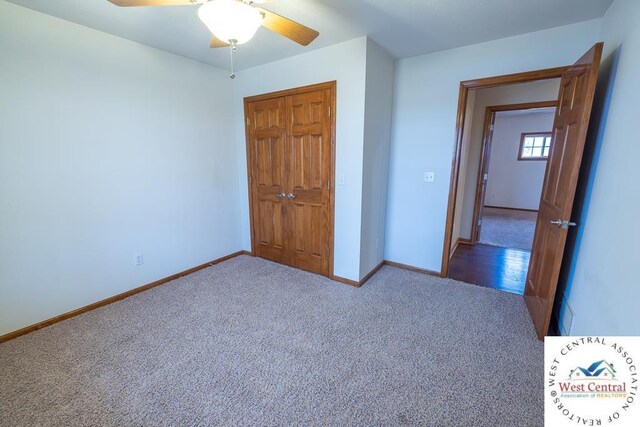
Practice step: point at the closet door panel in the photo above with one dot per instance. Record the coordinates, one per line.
(290, 152)
(309, 167)
(267, 145)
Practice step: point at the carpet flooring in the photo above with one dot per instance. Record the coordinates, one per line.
(250, 342)
(508, 228)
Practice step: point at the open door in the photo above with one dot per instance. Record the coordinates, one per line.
(577, 89)
(483, 174)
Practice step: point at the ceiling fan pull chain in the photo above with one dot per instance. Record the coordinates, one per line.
(232, 49)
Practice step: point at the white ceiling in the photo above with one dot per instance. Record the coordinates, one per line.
(404, 27)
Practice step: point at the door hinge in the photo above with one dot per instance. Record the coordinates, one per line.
(491, 128)
(247, 121)
(479, 222)
(328, 184)
(329, 111)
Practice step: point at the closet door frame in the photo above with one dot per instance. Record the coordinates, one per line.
(331, 86)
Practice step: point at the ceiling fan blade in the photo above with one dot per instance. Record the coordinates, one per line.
(288, 28)
(127, 3)
(216, 42)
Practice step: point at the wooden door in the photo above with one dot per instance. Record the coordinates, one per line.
(309, 172)
(483, 174)
(268, 180)
(291, 151)
(577, 88)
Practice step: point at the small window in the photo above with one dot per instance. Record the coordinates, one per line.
(535, 146)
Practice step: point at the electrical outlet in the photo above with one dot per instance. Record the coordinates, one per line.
(429, 176)
(341, 179)
(138, 259)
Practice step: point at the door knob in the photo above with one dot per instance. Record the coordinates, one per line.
(291, 196)
(563, 224)
(281, 196)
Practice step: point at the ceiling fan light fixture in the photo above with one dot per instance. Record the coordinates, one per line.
(230, 20)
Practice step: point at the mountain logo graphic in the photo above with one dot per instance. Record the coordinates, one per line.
(601, 370)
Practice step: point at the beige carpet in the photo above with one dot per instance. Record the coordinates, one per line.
(249, 342)
(508, 228)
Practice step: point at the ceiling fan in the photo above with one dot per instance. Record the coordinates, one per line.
(234, 22)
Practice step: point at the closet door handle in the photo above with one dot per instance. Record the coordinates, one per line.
(291, 196)
(281, 196)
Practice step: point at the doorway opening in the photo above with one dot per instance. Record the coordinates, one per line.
(517, 146)
(563, 156)
(502, 166)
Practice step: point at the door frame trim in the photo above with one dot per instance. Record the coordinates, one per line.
(485, 152)
(465, 86)
(332, 86)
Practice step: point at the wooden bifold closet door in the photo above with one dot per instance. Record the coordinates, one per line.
(290, 153)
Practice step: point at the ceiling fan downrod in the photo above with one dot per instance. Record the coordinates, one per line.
(232, 49)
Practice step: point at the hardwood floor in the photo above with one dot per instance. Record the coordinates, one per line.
(504, 269)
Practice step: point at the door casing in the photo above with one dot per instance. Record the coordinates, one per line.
(331, 85)
(465, 86)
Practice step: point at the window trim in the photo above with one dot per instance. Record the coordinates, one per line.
(524, 135)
